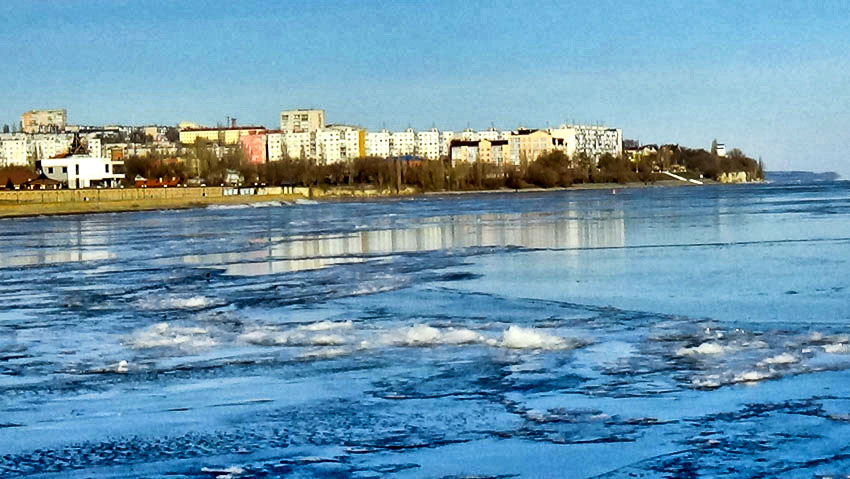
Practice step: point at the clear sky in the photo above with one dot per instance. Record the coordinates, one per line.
(772, 78)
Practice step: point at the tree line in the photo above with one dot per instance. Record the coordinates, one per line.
(211, 164)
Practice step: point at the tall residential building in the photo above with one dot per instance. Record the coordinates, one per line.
(299, 121)
(295, 145)
(402, 142)
(378, 143)
(13, 150)
(595, 141)
(490, 134)
(44, 121)
(43, 146)
(446, 138)
(94, 146)
(428, 144)
(469, 135)
(274, 146)
(337, 143)
(254, 147)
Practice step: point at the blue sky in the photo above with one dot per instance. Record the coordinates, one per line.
(772, 78)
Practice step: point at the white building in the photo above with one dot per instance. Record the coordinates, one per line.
(299, 145)
(378, 143)
(564, 139)
(13, 150)
(337, 143)
(490, 134)
(428, 144)
(596, 141)
(468, 135)
(274, 146)
(402, 142)
(93, 144)
(446, 138)
(43, 146)
(83, 171)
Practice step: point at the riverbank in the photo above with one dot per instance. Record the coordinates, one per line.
(101, 201)
(148, 204)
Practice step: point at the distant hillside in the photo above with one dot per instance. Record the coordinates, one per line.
(800, 176)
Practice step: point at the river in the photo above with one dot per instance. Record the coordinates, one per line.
(653, 332)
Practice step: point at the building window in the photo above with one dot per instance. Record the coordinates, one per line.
(107, 168)
(64, 169)
(77, 169)
(50, 169)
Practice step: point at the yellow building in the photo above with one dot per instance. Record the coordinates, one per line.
(527, 145)
(224, 136)
(484, 151)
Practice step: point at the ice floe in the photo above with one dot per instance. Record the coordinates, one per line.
(166, 335)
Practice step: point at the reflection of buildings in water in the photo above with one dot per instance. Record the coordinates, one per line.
(523, 230)
(84, 241)
(285, 254)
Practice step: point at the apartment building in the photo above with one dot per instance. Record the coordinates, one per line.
(300, 144)
(403, 142)
(13, 150)
(299, 121)
(275, 145)
(595, 141)
(378, 143)
(428, 144)
(44, 121)
(464, 151)
(446, 138)
(490, 134)
(337, 143)
(223, 135)
(43, 146)
(485, 151)
(526, 145)
(254, 147)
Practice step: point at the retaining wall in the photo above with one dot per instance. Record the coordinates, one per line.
(111, 194)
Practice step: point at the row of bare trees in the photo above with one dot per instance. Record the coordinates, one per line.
(210, 164)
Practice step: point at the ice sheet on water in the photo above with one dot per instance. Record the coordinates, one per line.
(259, 204)
(326, 325)
(518, 337)
(169, 336)
(175, 302)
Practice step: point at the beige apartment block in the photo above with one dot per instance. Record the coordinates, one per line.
(300, 121)
(44, 121)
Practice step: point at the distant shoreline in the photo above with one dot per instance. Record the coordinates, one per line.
(22, 210)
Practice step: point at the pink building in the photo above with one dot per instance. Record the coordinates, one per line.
(254, 147)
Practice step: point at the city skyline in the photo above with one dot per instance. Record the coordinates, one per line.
(768, 80)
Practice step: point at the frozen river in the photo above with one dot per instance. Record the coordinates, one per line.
(660, 332)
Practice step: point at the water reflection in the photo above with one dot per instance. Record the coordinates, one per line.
(81, 241)
(528, 230)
